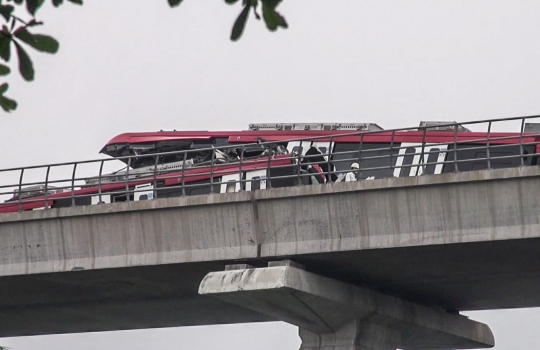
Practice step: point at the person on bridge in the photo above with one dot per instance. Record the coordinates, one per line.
(354, 173)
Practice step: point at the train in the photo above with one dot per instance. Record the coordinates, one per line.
(174, 163)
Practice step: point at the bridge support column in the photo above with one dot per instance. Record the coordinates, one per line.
(333, 315)
(357, 335)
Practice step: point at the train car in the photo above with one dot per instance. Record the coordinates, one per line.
(382, 153)
(178, 163)
(253, 173)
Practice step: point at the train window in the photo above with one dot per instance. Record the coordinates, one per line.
(231, 186)
(105, 198)
(407, 161)
(191, 189)
(221, 141)
(66, 202)
(121, 198)
(281, 177)
(432, 159)
(474, 159)
(495, 160)
(195, 191)
(375, 156)
(256, 183)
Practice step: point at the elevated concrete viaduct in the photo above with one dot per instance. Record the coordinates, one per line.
(429, 246)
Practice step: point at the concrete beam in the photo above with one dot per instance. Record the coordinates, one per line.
(335, 315)
(468, 207)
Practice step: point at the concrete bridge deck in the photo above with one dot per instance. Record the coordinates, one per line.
(464, 241)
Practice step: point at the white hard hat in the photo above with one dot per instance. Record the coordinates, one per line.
(355, 166)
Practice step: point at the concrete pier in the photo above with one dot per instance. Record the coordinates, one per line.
(356, 335)
(333, 315)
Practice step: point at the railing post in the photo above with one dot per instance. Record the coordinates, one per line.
(241, 164)
(47, 187)
(184, 174)
(299, 167)
(521, 142)
(20, 189)
(155, 195)
(487, 146)
(268, 177)
(73, 184)
(391, 150)
(212, 170)
(329, 164)
(421, 163)
(360, 145)
(127, 180)
(455, 148)
(100, 198)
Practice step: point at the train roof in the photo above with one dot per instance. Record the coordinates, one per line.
(344, 132)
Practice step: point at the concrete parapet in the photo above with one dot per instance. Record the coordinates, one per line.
(333, 315)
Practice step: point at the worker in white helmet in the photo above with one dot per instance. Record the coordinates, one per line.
(353, 174)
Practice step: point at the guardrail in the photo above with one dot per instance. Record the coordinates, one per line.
(98, 183)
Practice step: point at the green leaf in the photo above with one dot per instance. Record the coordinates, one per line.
(5, 46)
(56, 3)
(33, 5)
(26, 67)
(271, 17)
(39, 42)
(271, 3)
(4, 70)
(174, 3)
(7, 105)
(230, 2)
(5, 11)
(240, 23)
(78, 2)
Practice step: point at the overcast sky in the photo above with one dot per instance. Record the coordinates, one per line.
(134, 65)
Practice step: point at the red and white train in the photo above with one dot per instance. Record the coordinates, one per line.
(269, 157)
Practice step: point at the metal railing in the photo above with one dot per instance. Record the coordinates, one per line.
(86, 182)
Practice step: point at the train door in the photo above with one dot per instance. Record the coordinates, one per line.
(144, 192)
(230, 183)
(256, 180)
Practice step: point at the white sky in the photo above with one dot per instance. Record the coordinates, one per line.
(134, 65)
